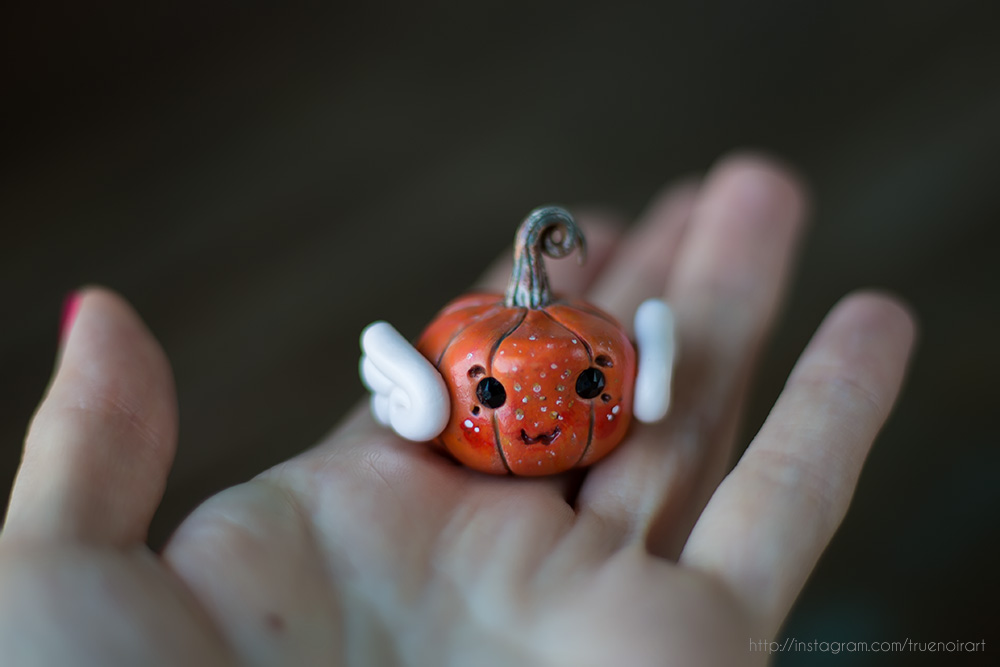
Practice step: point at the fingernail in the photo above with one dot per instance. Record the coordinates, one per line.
(71, 305)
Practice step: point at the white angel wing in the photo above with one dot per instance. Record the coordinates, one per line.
(408, 393)
(655, 340)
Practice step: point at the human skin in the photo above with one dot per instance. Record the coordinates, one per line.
(371, 550)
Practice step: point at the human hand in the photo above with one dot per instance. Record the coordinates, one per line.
(372, 550)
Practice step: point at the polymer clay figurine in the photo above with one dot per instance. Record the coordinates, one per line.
(525, 382)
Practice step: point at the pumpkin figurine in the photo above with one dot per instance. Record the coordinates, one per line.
(526, 382)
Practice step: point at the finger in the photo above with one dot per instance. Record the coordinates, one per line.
(733, 270)
(727, 280)
(566, 275)
(642, 261)
(769, 521)
(100, 445)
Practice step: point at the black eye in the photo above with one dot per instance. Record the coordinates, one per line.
(590, 383)
(491, 393)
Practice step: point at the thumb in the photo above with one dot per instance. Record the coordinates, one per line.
(102, 441)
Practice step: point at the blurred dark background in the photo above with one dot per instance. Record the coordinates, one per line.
(262, 182)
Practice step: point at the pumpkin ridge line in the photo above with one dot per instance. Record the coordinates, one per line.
(489, 362)
(590, 436)
(496, 438)
(461, 330)
(586, 345)
(501, 339)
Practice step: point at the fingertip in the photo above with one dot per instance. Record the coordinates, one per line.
(763, 162)
(864, 345)
(681, 193)
(109, 342)
(644, 258)
(667, 213)
(880, 310)
(872, 323)
(763, 180)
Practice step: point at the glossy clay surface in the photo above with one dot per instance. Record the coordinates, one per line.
(544, 426)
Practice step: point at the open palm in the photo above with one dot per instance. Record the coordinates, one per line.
(370, 550)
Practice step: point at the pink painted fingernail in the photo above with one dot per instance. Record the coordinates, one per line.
(71, 306)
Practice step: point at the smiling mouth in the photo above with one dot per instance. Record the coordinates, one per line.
(544, 438)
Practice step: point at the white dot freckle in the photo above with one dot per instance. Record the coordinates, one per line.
(517, 387)
(531, 337)
(553, 366)
(560, 387)
(541, 375)
(513, 368)
(467, 423)
(541, 398)
(610, 417)
(615, 409)
(559, 417)
(476, 429)
(501, 351)
(468, 356)
(536, 388)
(519, 414)
(544, 408)
(524, 400)
(537, 424)
(574, 341)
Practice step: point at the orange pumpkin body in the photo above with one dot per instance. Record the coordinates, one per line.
(537, 355)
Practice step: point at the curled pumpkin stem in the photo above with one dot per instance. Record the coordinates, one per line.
(549, 230)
